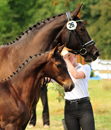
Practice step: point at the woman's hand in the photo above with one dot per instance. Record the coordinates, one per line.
(66, 57)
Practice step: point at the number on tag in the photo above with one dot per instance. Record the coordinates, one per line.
(71, 25)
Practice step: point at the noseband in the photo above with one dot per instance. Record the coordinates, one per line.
(71, 26)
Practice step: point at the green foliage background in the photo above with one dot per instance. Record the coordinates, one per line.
(17, 16)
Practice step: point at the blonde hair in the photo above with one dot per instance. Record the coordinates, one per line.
(65, 51)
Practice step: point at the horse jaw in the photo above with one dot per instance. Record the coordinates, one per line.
(88, 59)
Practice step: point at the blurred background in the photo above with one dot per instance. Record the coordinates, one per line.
(18, 15)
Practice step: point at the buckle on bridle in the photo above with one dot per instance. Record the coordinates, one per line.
(83, 49)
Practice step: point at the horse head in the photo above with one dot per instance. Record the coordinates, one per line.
(58, 70)
(76, 37)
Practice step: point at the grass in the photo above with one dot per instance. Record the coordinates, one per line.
(100, 94)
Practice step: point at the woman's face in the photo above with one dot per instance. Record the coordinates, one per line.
(72, 57)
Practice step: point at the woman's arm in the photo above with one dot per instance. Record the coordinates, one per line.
(76, 74)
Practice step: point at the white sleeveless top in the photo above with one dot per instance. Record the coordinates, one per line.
(81, 85)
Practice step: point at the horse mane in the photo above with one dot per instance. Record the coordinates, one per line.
(24, 64)
(38, 24)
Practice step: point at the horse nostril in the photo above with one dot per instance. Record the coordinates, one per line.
(71, 87)
(96, 53)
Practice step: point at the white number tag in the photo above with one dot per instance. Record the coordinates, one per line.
(71, 25)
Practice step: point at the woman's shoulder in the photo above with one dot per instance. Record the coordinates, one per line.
(86, 66)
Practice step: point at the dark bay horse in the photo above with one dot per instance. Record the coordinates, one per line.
(40, 38)
(46, 36)
(17, 90)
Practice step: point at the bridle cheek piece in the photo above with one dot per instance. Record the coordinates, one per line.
(71, 26)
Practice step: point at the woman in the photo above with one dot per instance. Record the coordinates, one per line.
(78, 110)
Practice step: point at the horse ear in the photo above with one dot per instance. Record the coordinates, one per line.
(75, 13)
(60, 48)
(54, 51)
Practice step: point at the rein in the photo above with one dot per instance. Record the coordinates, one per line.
(71, 26)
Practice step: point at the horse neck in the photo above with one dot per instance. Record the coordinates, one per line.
(31, 43)
(40, 41)
(26, 81)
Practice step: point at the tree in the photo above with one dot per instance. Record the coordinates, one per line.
(23, 9)
(7, 27)
(17, 16)
(99, 27)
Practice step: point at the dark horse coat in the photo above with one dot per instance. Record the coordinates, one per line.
(42, 37)
(17, 91)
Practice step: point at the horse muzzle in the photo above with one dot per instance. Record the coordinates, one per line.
(68, 88)
(90, 57)
(96, 54)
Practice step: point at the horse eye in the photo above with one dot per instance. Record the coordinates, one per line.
(82, 29)
(58, 65)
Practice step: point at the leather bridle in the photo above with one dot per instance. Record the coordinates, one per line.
(45, 81)
(82, 50)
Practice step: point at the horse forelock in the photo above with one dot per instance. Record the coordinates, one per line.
(38, 25)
